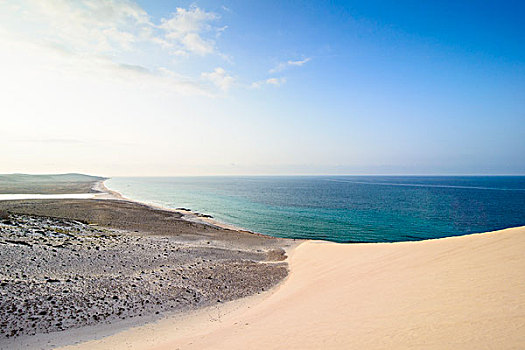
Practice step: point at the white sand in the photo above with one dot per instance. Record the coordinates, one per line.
(454, 293)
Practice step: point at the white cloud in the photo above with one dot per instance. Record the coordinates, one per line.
(283, 65)
(110, 26)
(92, 38)
(193, 42)
(299, 63)
(220, 78)
(185, 28)
(276, 81)
(81, 26)
(28, 64)
(270, 81)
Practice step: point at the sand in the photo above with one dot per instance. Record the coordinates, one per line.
(454, 293)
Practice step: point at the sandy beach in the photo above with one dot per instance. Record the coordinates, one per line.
(463, 292)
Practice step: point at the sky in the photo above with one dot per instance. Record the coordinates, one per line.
(166, 88)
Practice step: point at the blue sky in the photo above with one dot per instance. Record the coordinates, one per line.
(266, 87)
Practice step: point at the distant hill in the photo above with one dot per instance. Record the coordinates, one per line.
(70, 177)
(48, 183)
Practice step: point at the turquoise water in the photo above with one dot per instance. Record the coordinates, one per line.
(343, 208)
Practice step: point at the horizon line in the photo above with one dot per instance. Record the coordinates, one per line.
(272, 175)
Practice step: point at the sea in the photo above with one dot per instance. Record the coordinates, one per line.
(342, 208)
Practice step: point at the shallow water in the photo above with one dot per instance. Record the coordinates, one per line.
(343, 208)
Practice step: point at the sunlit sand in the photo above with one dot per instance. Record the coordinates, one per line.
(460, 292)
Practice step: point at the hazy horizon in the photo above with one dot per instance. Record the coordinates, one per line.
(274, 175)
(187, 88)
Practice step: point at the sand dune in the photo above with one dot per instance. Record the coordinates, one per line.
(454, 293)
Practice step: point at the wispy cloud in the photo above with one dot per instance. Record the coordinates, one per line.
(111, 25)
(275, 81)
(220, 78)
(59, 141)
(185, 28)
(23, 63)
(270, 81)
(283, 65)
(83, 26)
(91, 37)
(73, 142)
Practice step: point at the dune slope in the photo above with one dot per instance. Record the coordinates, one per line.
(460, 292)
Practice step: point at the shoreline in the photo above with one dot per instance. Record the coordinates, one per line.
(192, 216)
(188, 215)
(457, 292)
(128, 264)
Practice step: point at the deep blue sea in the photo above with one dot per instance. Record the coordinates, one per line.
(343, 208)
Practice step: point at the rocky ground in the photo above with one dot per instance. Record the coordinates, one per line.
(62, 273)
(135, 217)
